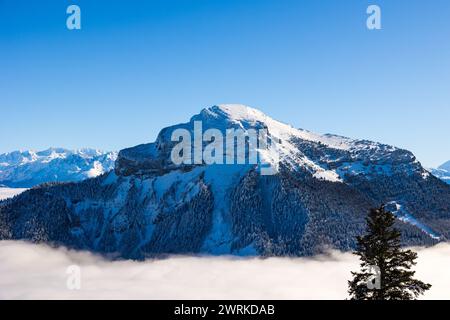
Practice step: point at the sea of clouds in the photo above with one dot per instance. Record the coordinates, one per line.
(6, 193)
(30, 271)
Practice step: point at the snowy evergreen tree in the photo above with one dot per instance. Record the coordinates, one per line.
(385, 268)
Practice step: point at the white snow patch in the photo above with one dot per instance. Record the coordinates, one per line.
(425, 174)
(327, 175)
(96, 170)
(406, 217)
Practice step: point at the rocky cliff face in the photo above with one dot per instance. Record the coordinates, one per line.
(318, 198)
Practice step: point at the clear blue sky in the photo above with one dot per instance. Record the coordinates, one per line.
(138, 66)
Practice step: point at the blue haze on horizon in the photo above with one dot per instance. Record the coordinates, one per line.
(138, 66)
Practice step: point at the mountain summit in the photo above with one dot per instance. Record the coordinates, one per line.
(345, 156)
(317, 198)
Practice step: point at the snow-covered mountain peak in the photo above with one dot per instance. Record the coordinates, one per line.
(235, 112)
(329, 157)
(445, 166)
(442, 172)
(248, 117)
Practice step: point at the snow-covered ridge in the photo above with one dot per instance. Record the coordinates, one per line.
(29, 168)
(247, 117)
(327, 157)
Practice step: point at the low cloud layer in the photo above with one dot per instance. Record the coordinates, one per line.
(6, 193)
(30, 271)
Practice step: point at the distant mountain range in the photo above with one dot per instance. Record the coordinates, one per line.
(318, 198)
(442, 172)
(25, 169)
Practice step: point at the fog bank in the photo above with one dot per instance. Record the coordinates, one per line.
(29, 271)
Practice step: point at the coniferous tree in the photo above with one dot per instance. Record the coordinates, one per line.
(385, 268)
